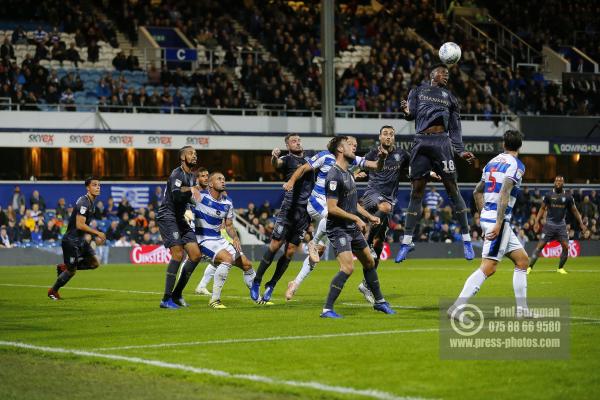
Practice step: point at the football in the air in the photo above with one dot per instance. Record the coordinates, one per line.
(450, 53)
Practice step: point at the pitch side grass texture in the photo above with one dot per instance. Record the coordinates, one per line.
(108, 337)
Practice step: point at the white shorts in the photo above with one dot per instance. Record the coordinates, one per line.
(317, 208)
(212, 247)
(506, 242)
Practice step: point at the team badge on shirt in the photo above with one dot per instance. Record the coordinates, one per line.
(177, 183)
(397, 157)
(332, 185)
(83, 210)
(342, 241)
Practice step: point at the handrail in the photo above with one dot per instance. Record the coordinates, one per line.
(259, 111)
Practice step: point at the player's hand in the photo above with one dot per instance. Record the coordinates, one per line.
(237, 245)
(374, 220)
(361, 225)
(195, 193)
(434, 176)
(536, 227)
(493, 234)
(468, 156)
(100, 238)
(360, 175)
(583, 228)
(404, 106)
(383, 153)
(288, 186)
(189, 216)
(276, 152)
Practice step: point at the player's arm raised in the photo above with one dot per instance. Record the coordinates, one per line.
(376, 165)
(507, 186)
(298, 173)
(276, 162)
(478, 195)
(82, 226)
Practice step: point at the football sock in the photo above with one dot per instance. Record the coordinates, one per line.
(335, 288)
(534, 258)
(186, 272)
(321, 231)
(378, 249)
(375, 231)
(282, 265)
(472, 286)
(170, 279)
(373, 283)
(209, 272)
(264, 265)
(520, 287)
(62, 280)
(563, 259)
(307, 267)
(249, 277)
(412, 217)
(220, 278)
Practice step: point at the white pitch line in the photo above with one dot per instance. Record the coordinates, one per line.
(270, 339)
(373, 393)
(111, 290)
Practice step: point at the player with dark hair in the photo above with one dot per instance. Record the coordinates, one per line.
(495, 196)
(176, 232)
(345, 228)
(555, 206)
(292, 219)
(317, 204)
(437, 123)
(77, 252)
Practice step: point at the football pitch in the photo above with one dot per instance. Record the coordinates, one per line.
(109, 339)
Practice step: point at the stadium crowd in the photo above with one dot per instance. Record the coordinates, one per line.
(26, 222)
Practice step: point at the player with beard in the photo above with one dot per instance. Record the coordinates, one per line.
(292, 219)
(176, 232)
(437, 123)
(555, 206)
(317, 204)
(345, 228)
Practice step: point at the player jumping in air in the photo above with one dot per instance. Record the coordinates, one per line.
(177, 234)
(77, 252)
(495, 197)
(437, 122)
(555, 206)
(292, 219)
(345, 228)
(317, 204)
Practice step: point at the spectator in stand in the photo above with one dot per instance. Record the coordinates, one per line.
(3, 217)
(100, 213)
(122, 242)
(93, 52)
(266, 208)
(5, 241)
(50, 232)
(40, 36)
(113, 233)
(67, 99)
(54, 36)
(18, 199)
(7, 51)
(124, 207)
(73, 55)
(157, 197)
(433, 200)
(36, 198)
(19, 36)
(13, 231)
(120, 62)
(133, 63)
(587, 208)
(61, 209)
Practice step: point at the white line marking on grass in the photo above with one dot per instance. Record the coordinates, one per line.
(373, 393)
(270, 339)
(111, 290)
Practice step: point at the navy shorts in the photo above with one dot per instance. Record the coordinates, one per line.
(555, 232)
(432, 153)
(75, 253)
(291, 225)
(346, 240)
(370, 201)
(175, 233)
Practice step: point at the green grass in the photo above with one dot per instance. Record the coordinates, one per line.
(403, 364)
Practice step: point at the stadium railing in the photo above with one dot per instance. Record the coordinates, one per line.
(270, 110)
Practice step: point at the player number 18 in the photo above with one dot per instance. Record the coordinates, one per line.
(448, 165)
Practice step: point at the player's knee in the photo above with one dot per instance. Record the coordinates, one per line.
(348, 269)
(176, 253)
(321, 249)
(290, 250)
(369, 263)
